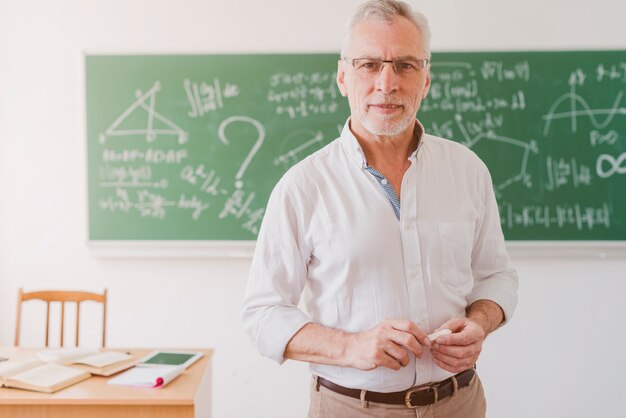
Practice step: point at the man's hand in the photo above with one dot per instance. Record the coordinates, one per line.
(460, 350)
(385, 345)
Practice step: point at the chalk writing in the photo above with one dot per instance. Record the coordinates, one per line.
(190, 147)
(194, 203)
(516, 101)
(126, 176)
(147, 156)
(206, 97)
(573, 100)
(560, 216)
(238, 205)
(152, 205)
(121, 201)
(208, 182)
(258, 141)
(294, 155)
(253, 221)
(561, 171)
(304, 109)
(300, 78)
(598, 138)
(607, 165)
(301, 95)
(470, 133)
(497, 70)
(156, 124)
(123, 173)
(611, 72)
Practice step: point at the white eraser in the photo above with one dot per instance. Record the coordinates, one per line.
(434, 335)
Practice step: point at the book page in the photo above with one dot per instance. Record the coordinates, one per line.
(65, 355)
(48, 375)
(104, 359)
(11, 368)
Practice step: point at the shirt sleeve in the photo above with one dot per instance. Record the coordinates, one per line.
(494, 279)
(277, 278)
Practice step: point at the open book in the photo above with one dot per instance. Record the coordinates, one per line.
(106, 363)
(35, 375)
(103, 363)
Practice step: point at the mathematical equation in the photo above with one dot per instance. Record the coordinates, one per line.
(300, 95)
(611, 72)
(205, 97)
(560, 216)
(149, 204)
(563, 171)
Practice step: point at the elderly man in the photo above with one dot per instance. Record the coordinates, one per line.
(390, 234)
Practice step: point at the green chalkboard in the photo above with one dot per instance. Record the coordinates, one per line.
(189, 147)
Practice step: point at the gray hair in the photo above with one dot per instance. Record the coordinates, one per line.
(388, 10)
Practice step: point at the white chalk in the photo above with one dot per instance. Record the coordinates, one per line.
(434, 335)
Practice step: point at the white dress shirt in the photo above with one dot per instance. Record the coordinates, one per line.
(330, 235)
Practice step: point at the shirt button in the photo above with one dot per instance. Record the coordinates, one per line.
(383, 181)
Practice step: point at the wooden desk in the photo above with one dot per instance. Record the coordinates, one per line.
(188, 396)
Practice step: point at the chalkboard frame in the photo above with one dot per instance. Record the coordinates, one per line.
(518, 250)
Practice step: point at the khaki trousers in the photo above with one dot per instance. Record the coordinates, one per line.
(468, 402)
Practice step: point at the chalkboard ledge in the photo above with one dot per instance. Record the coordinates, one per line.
(172, 249)
(567, 249)
(245, 249)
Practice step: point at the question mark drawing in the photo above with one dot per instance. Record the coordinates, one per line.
(253, 150)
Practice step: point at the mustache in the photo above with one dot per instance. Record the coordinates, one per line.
(385, 100)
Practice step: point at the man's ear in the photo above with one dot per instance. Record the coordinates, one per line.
(341, 74)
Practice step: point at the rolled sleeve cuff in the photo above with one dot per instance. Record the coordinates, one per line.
(278, 328)
(501, 289)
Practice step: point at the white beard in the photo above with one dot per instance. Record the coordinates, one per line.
(386, 128)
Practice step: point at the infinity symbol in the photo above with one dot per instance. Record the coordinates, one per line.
(616, 165)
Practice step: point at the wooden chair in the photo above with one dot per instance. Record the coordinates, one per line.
(62, 297)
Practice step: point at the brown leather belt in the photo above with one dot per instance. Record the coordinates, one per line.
(412, 397)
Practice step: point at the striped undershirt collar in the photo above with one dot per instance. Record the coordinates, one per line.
(354, 150)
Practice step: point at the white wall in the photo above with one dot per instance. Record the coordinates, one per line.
(562, 355)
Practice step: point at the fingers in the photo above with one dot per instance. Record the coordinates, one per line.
(452, 363)
(393, 339)
(388, 344)
(407, 340)
(385, 353)
(410, 327)
(460, 350)
(455, 324)
(457, 352)
(395, 357)
(464, 332)
(453, 366)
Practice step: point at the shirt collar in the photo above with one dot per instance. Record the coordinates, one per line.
(354, 151)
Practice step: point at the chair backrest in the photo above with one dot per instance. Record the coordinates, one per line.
(62, 297)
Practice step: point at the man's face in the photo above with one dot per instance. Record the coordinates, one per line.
(383, 103)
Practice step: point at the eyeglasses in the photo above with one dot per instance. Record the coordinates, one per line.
(404, 67)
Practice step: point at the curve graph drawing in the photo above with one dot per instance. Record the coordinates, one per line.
(578, 107)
